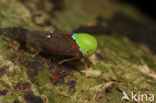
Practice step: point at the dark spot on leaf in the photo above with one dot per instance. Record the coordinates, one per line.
(3, 92)
(3, 70)
(16, 101)
(23, 86)
(35, 66)
(99, 56)
(31, 98)
(58, 4)
(109, 89)
(64, 77)
(54, 79)
(32, 66)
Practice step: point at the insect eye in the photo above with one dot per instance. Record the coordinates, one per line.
(88, 52)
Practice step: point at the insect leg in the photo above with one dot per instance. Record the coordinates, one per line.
(66, 60)
(85, 64)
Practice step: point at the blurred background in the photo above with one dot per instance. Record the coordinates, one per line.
(134, 19)
(125, 59)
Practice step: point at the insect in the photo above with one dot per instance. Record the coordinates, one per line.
(76, 45)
